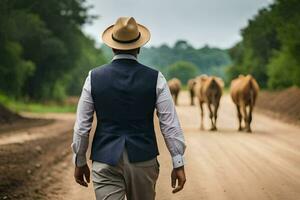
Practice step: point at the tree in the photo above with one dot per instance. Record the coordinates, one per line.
(283, 70)
(91, 57)
(284, 67)
(42, 45)
(252, 55)
(270, 47)
(182, 70)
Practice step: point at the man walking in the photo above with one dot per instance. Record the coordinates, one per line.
(124, 95)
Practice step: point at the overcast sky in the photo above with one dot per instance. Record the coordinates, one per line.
(213, 22)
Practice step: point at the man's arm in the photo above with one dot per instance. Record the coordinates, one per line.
(171, 131)
(83, 125)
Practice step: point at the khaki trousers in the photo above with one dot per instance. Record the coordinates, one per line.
(136, 181)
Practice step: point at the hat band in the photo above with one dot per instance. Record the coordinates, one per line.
(126, 41)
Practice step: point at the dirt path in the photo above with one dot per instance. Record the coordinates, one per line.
(220, 165)
(232, 165)
(33, 160)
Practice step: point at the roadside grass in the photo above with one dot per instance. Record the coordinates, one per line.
(51, 107)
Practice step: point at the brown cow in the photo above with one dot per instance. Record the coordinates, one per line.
(209, 90)
(191, 87)
(175, 86)
(244, 91)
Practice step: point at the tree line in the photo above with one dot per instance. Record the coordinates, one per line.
(182, 60)
(44, 54)
(43, 51)
(270, 46)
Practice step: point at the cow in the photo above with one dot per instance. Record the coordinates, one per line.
(191, 87)
(174, 86)
(244, 91)
(209, 90)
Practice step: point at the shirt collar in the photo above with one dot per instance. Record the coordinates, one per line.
(124, 56)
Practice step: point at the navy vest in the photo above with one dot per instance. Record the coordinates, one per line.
(124, 95)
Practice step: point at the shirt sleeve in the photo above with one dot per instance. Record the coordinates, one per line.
(83, 124)
(169, 123)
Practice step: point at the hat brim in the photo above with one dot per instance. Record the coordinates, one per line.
(144, 38)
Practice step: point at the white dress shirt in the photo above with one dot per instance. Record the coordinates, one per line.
(165, 109)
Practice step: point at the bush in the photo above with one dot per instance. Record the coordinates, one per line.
(182, 70)
(283, 71)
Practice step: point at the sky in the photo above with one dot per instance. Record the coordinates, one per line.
(215, 23)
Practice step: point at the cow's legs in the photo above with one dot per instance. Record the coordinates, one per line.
(202, 115)
(213, 128)
(175, 99)
(245, 116)
(174, 96)
(216, 115)
(192, 98)
(239, 117)
(249, 119)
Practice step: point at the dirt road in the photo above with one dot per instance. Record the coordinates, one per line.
(220, 165)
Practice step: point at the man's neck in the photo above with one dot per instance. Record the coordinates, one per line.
(135, 55)
(124, 56)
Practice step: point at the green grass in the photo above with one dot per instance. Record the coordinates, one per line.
(19, 106)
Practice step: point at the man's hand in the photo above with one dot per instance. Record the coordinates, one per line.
(80, 173)
(179, 175)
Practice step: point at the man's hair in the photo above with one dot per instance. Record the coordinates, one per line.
(131, 51)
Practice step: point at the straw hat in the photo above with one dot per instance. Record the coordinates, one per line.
(126, 34)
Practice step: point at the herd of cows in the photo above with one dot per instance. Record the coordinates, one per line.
(209, 89)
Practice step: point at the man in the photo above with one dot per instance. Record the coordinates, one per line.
(124, 94)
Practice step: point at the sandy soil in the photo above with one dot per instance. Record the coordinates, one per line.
(220, 165)
(283, 104)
